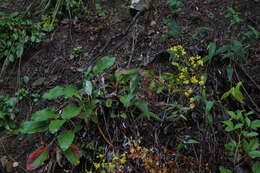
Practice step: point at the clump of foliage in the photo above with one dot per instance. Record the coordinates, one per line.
(186, 80)
(88, 104)
(8, 109)
(175, 6)
(233, 16)
(15, 33)
(7, 112)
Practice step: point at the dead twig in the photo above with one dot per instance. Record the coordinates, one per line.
(104, 137)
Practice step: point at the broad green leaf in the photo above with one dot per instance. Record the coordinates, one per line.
(238, 50)
(127, 100)
(238, 126)
(123, 75)
(229, 124)
(256, 167)
(19, 51)
(255, 124)
(230, 71)
(227, 94)
(72, 154)
(233, 115)
(237, 94)
(231, 145)
(65, 139)
(88, 87)
(70, 111)
(252, 145)
(133, 84)
(142, 106)
(55, 125)
(248, 122)
(30, 127)
(44, 114)
(109, 103)
(222, 49)
(209, 105)
(224, 170)
(10, 58)
(254, 154)
(54, 93)
(249, 134)
(123, 115)
(103, 64)
(211, 51)
(70, 91)
(148, 116)
(174, 30)
(191, 141)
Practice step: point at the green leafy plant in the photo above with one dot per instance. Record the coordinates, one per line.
(250, 36)
(175, 6)
(15, 33)
(185, 81)
(78, 51)
(234, 50)
(8, 111)
(224, 170)
(235, 92)
(56, 121)
(246, 130)
(129, 93)
(174, 29)
(185, 143)
(85, 106)
(233, 16)
(100, 10)
(201, 32)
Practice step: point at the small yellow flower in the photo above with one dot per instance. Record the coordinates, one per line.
(186, 82)
(194, 80)
(111, 166)
(181, 76)
(192, 58)
(97, 165)
(192, 106)
(122, 160)
(192, 100)
(180, 51)
(198, 57)
(115, 158)
(175, 64)
(100, 156)
(200, 62)
(184, 69)
(190, 91)
(201, 82)
(186, 93)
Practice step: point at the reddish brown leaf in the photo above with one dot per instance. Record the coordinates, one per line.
(38, 155)
(75, 149)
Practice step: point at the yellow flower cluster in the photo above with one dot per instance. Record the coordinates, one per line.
(178, 50)
(117, 163)
(189, 74)
(196, 61)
